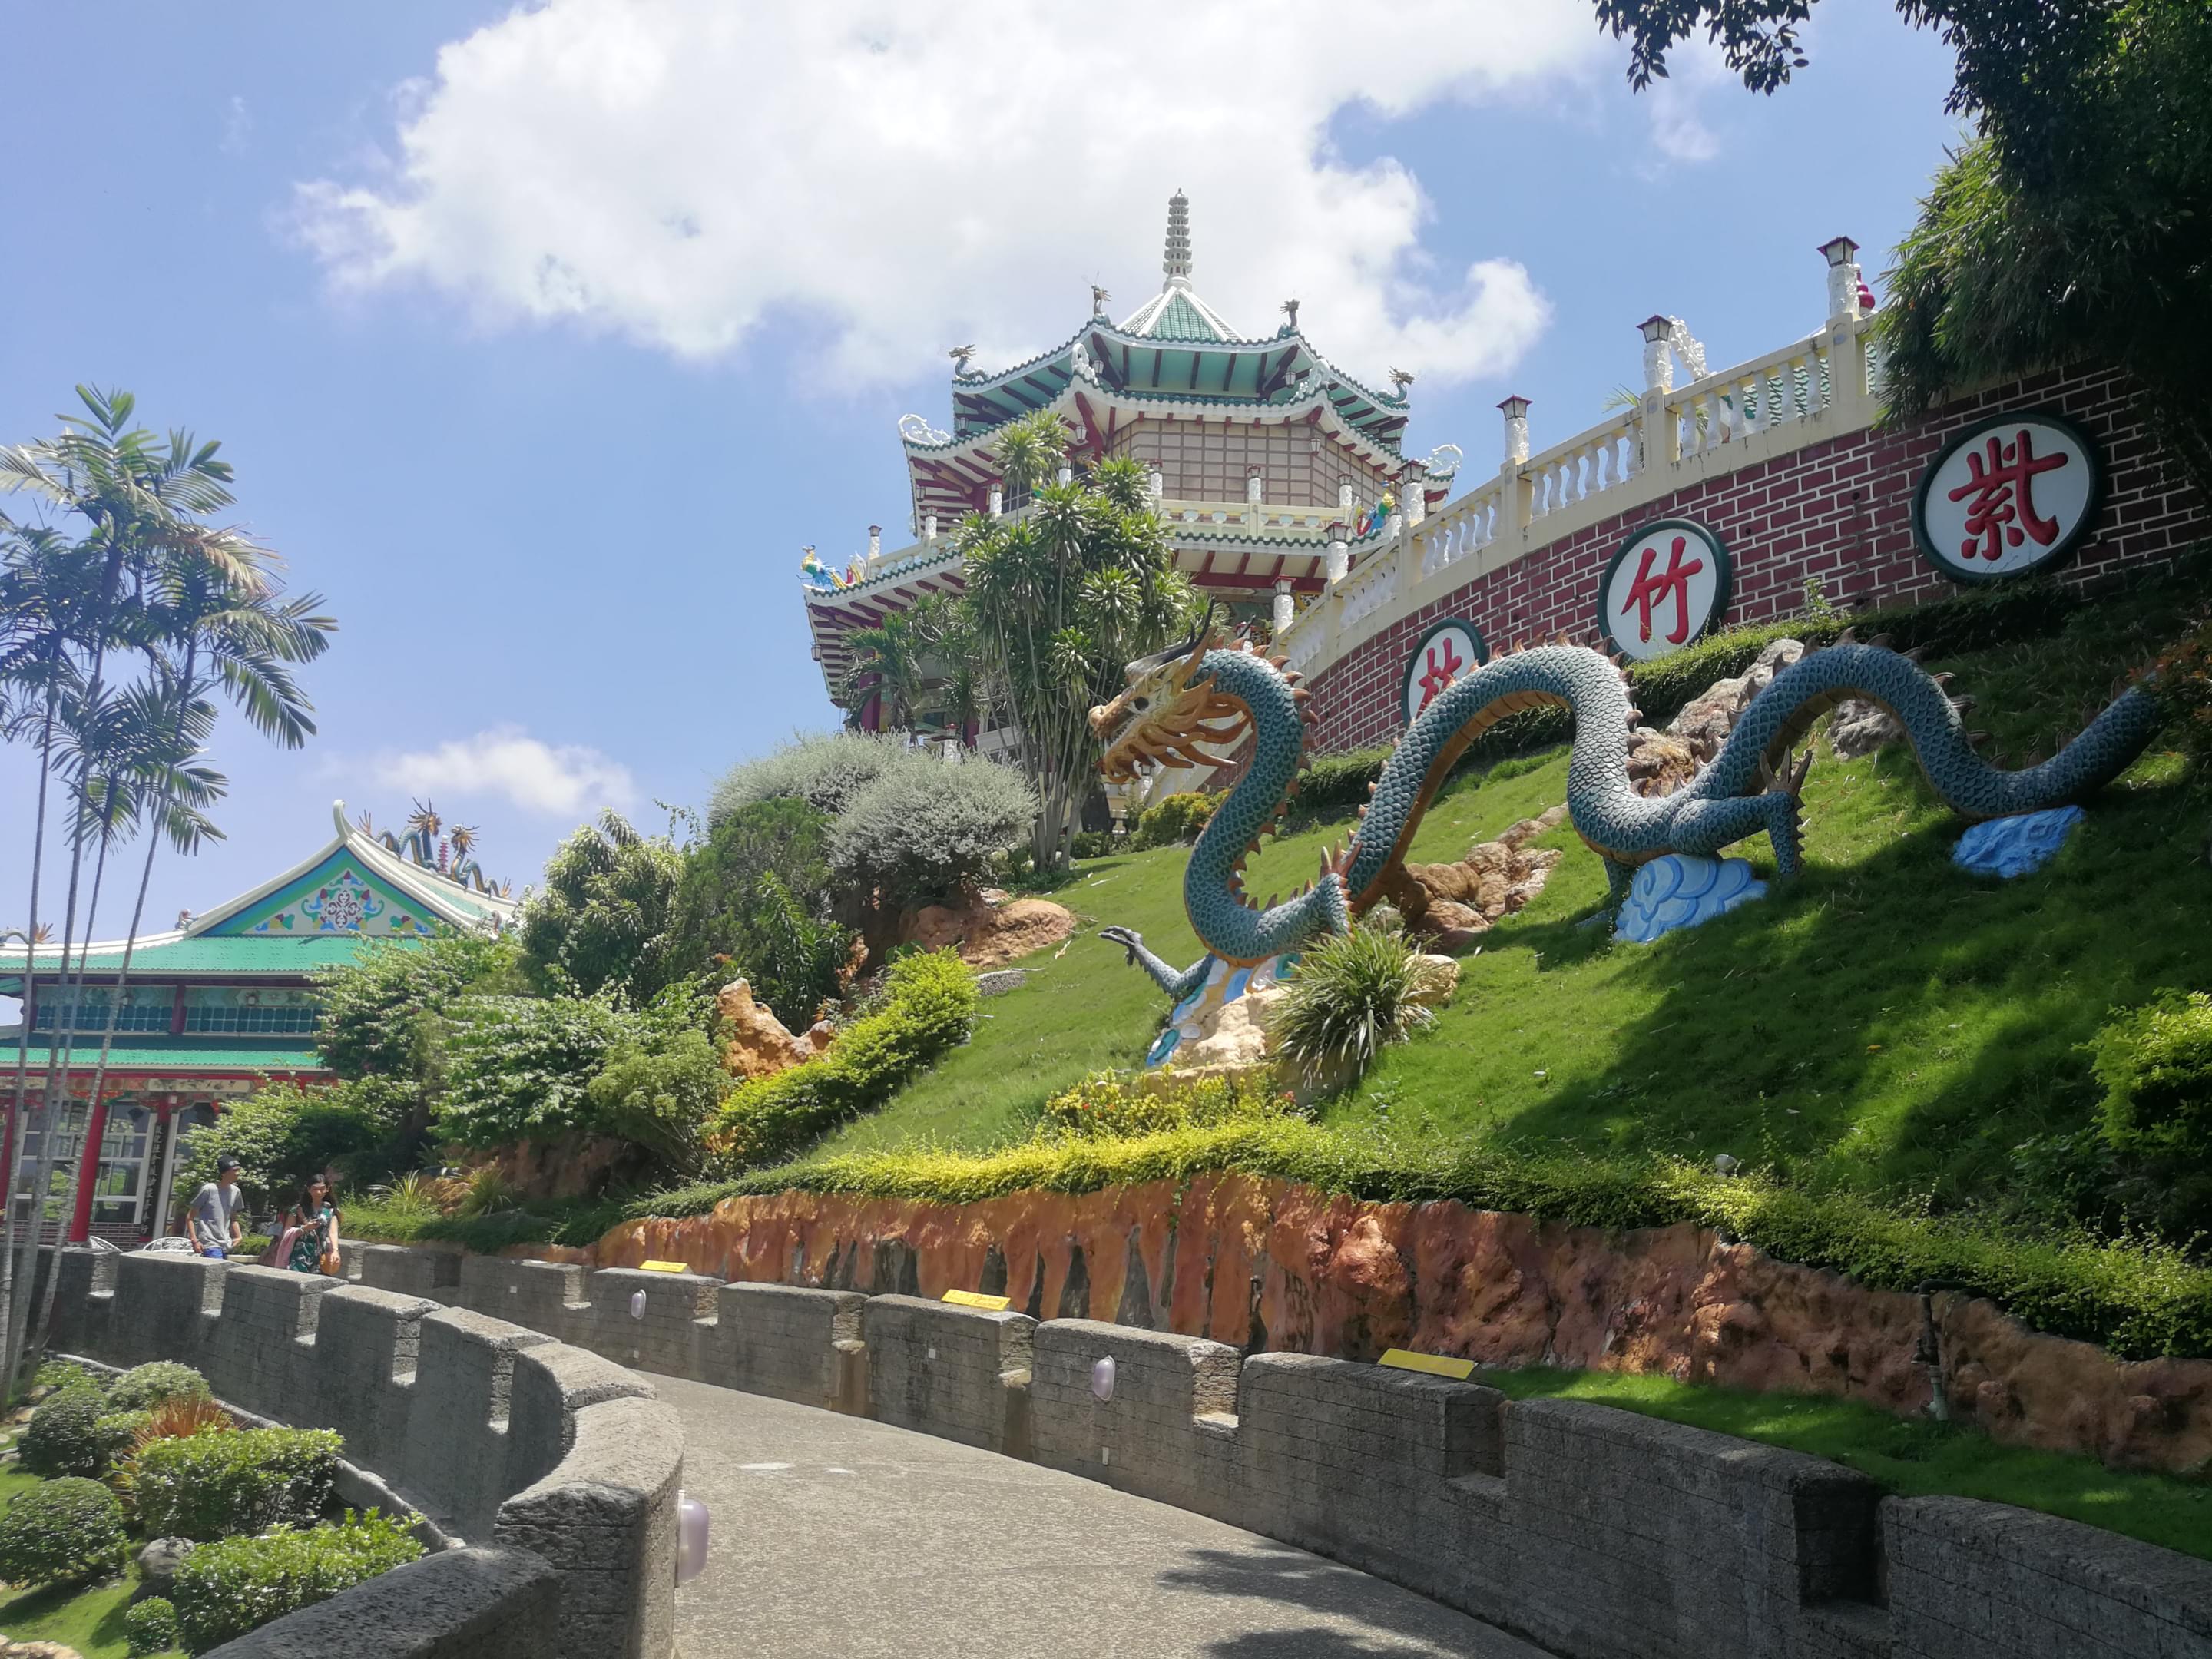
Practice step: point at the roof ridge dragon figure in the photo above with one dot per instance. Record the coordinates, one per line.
(1211, 692)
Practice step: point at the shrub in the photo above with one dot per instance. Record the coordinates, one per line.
(1114, 1103)
(1093, 844)
(224, 1589)
(926, 826)
(116, 1433)
(177, 1419)
(215, 1486)
(601, 916)
(1352, 994)
(281, 1134)
(825, 772)
(65, 1436)
(150, 1627)
(142, 1387)
(62, 1532)
(1178, 819)
(930, 1002)
(2155, 1063)
(63, 1374)
(662, 1095)
(519, 1066)
(2185, 691)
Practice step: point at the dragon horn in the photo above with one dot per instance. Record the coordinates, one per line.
(1849, 636)
(1799, 772)
(1943, 678)
(1919, 653)
(1880, 643)
(1977, 738)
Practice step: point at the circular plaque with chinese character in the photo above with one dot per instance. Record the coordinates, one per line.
(1446, 652)
(1668, 583)
(2008, 496)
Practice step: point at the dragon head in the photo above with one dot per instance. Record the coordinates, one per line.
(1167, 707)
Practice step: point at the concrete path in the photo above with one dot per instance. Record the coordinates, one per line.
(842, 1539)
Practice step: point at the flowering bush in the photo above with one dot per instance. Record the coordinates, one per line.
(1111, 1104)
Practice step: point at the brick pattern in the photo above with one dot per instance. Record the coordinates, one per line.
(1599, 1533)
(1840, 511)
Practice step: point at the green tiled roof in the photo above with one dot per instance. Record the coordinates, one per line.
(173, 1057)
(1179, 319)
(209, 955)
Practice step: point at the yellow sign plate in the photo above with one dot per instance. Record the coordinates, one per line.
(976, 1299)
(664, 1268)
(1435, 1364)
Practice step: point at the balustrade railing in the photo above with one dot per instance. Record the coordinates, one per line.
(1810, 390)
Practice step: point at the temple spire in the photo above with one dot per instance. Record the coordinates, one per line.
(1177, 263)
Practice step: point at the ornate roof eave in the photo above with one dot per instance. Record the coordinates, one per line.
(447, 901)
(901, 574)
(975, 446)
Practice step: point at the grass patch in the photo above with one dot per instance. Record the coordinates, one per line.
(89, 1618)
(549, 1222)
(1909, 1458)
(1884, 1024)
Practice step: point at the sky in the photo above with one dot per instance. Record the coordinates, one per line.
(543, 337)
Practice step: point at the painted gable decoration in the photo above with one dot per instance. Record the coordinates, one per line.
(337, 897)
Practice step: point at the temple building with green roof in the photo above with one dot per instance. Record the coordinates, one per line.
(1271, 466)
(219, 1005)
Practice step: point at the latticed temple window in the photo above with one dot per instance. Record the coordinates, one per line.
(230, 1011)
(147, 1010)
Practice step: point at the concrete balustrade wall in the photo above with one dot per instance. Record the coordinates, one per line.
(559, 1466)
(1599, 1533)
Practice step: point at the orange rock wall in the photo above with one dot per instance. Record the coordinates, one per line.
(1268, 1265)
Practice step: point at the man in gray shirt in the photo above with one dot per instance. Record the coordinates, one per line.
(212, 1222)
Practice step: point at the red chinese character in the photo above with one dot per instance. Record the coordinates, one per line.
(1441, 673)
(1648, 590)
(1997, 518)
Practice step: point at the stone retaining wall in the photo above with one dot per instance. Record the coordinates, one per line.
(1597, 1532)
(562, 1466)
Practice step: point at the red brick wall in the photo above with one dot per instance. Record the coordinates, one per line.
(1840, 510)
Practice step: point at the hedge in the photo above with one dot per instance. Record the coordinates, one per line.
(215, 1486)
(224, 1589)
(2140, 1299)
(62, 1532)
(930, 1004)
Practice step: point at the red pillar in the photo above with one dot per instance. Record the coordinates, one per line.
(95, 1132)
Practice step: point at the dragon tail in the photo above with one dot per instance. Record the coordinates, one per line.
(1784, 715)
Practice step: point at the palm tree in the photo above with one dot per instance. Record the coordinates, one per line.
(141, 501)
(887, 661)
(1061, 596)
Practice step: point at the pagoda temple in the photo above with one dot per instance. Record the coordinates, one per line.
(1269, 464)
(218, 1006)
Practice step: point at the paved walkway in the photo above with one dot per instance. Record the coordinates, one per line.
(836, 1537)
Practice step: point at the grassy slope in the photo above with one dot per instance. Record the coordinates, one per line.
(1909, 1458)
(1885, 1023)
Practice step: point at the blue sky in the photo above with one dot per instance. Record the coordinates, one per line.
(542, 339)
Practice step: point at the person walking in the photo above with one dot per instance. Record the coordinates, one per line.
(313, 1229)
(212, 1220)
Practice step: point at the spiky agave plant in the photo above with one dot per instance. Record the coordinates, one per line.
(1352, 994)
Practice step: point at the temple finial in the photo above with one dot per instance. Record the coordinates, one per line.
(1177, 263)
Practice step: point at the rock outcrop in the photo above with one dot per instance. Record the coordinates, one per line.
(1455, 904)
(1276, 1265)
(756, 1044)
(1660, 762)
(989, 929)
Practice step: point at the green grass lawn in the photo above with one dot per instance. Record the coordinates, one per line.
(1885, 1023)
(1909, 1458)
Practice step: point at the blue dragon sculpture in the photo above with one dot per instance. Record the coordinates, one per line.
(1210, 691)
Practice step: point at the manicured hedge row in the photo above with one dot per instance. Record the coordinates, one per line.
(2140, 1300)
(930, 1004)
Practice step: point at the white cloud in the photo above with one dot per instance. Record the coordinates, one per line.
(566, 779)
(893, 179)
(237, 128)
(1696, 72)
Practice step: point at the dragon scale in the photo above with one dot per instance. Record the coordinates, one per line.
(1209, 693)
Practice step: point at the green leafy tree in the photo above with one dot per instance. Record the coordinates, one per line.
(660, 1091)
(519, 1068)
(2072, 225)
(381, 1014)
(283, 1135)
(602, 917)
(1061, 594)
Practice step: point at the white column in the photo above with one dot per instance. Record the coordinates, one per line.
(1067, 473)
(1513, 502)
(1344, 498)
(1254, 490)
(1658, 441)
(875, 543)
(1159, 482)
(929, 527)
(998, 500)
(1285, 607)
(1337, 563)
(1843, 277)
(1850, 402)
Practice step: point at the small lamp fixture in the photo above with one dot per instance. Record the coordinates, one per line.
(637, 1305)
(692, 1524)
(1101, 1380)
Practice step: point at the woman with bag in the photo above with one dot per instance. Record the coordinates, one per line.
(310, 1242)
